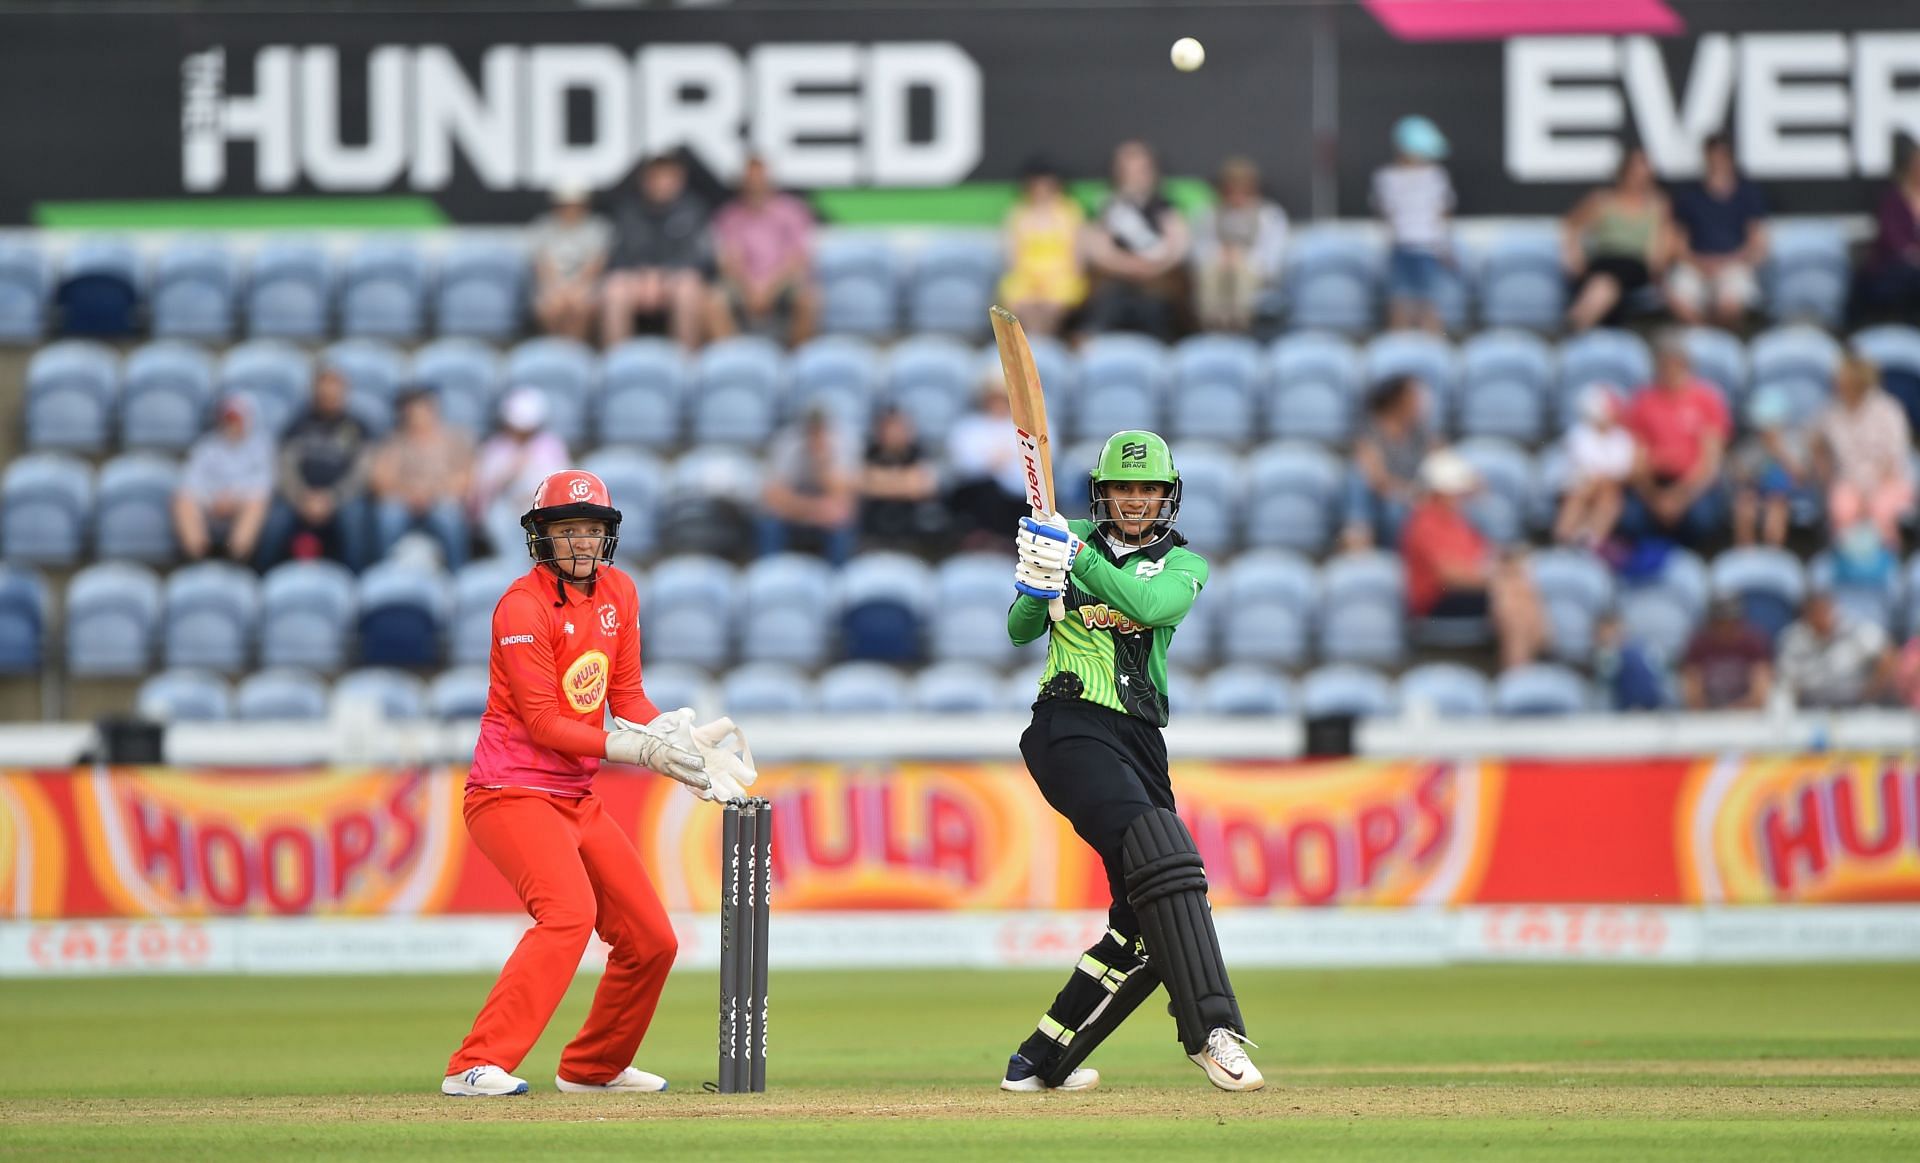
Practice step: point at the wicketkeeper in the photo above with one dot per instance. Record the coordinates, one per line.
(1096, 751)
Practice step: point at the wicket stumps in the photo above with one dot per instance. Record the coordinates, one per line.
(746, 897)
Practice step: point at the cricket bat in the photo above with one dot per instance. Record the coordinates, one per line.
(1029, 406)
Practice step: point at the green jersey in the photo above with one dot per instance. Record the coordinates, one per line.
(1121, 612)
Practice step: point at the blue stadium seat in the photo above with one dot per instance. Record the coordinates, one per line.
(567, 372)
(1430, 358)
(1878, 602)
(1217, 381)
(1506, 386)
(1659, 620)
(133, 519)
(383, 290)
(391, 694)
(1345, 689)
(461, 693)
(403, 613)
(840, 373)
(1363, 609)
(952, 285)
(482, 291)
(1211, 495)
(185, 696)
(1248, 690)
(211, 612)
(883, 606)
(1292, 492)
(308, 613)
(99, 289)
(1453, 290)
(24, 613)
(1018, 692)
(1541, 688)
(636, 482)
(1072, 466)
(24, 291)
(1798, 359)
(194, 291)
(1807, 272)
(1771, 584)
(1124, 381)
(1447, 690)
(1506, 476)
(46, 508)
(741, 383)
(281, 694)
(476, 591)
(375, 372)
(933, 380)
(1521, 280)
(955, 688)
(289, 289)
(1316, 380)
(862, 688)
(1895, 349)
(71, 391)
(465, 375)
(689, 612)
(113, 612)
(1576, 589)
(167, 390)
(1274, 597)
(1720, 358)
(786, 602)
(767, 688)
(278, 377)
(643, 394)
(972, 592)
(1551, 472)
(711, 495)
(858, 284)
(1333, 280)
(675, 684)
(1601, 356)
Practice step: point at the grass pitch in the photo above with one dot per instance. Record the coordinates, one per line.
(1562, 1063)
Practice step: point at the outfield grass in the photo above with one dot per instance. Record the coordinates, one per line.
(1483, 1063)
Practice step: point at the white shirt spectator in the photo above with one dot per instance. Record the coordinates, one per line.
(981, 446)
(1415, 200)
(571, 246)
(1835, 672)
(219, 467)
(1600, 454)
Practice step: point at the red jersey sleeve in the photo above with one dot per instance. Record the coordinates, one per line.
(626, 695)
(523, 632)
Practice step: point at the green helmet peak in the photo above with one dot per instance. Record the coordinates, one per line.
(1134, 455)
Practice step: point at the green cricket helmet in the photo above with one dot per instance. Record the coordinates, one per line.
(1134, 455)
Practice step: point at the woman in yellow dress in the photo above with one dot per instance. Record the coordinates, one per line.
(1045, 279)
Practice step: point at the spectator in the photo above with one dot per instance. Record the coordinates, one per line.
(1624, 669)
(763, 242)
(1136, 247)
(1863, 453)
(224, 492)
(899, 488)
(1385, 479)
(1721, 242)
(1829, 659)
(1771, 471)
(510, 465)
(1600, 457)
(811, 488)
(989, 492)
(1415, 196)
(1615, 242)
(1889, 283)
(420, 475)
(1045, 277)
(1452, 571)
(570, 246)
(1237, 248)
(321, 507)
(660, 257)
(1727, 665)
(1681, 425)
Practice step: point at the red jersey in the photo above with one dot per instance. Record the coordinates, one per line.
(1436, 532)
(1674, 426)
(560, 656)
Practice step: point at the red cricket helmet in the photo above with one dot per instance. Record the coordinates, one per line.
(572, 495)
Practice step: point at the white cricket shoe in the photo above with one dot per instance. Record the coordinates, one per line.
(629, 1081)
(1023, 1078)
(1225, 1060)
(483, 1082)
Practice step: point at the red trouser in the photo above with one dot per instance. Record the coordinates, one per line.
(576, 872)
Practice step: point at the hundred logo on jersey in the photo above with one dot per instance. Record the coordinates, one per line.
(585, 682)
(1100, 617)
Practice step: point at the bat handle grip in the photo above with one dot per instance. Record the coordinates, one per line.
(1056, 609)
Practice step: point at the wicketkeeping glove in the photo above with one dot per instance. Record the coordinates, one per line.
(725, 771)
(658, 746)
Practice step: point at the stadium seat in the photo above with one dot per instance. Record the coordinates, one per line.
(461, 693)
(1659, 620)
(567, 372)
(1211, 495)
(1878, 602)
(786, 604)
(1770, 583)
(24, 291)
(282, 694)
(862, 688)
(383, 290)
(1293, 491)
(952, 284)
(185, 696)
(113, 611)
(1217, 382)
(933, 380)
(476, 591)
(1720, 358)
(465, 376)
(1249, 690)
(1344, 689)
(1124, 381)
(767, 688)
(46, 508)
(643, 393)
(1274, 597)
(1807, 273)
(24, 613)
(99, 288)
(402, 614)
(165, 397)
(1020, 689)
(211, 612)
(857, 283)
(1499, 510)
(1333, 280)
(1541, 688)
(741, 385)
(1506, 386)
(711, 495)
(689, 611)
(1601, 356)
(1576, 589)
(1797, 359)
(636, 482)
(1429, 358)
(1552, 470)
(133, 519)
(375, 372)
(1521, 280)
(481, 291)
(1446, 690)
(1894, 348)
(1363, 608)
(289, 289)
(675, 684)
(308, 613)
(882, 605)
(194, 291)
(955, 688)
(278, 377)
(839, 373)
(972, 592)
(1316, 381)
(71, 391)
(392, 694)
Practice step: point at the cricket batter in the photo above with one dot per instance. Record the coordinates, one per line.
(1096, 752)
(566, 645)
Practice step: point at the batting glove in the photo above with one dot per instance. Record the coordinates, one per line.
(657, 746)
(1037, 582)
(1047, 543)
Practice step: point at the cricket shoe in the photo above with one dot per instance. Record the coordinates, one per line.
(1024, 1077)
(1225, 1060)
(629, 1081)
(483, 1082)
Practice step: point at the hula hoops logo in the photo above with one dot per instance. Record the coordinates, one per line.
(585, 682)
